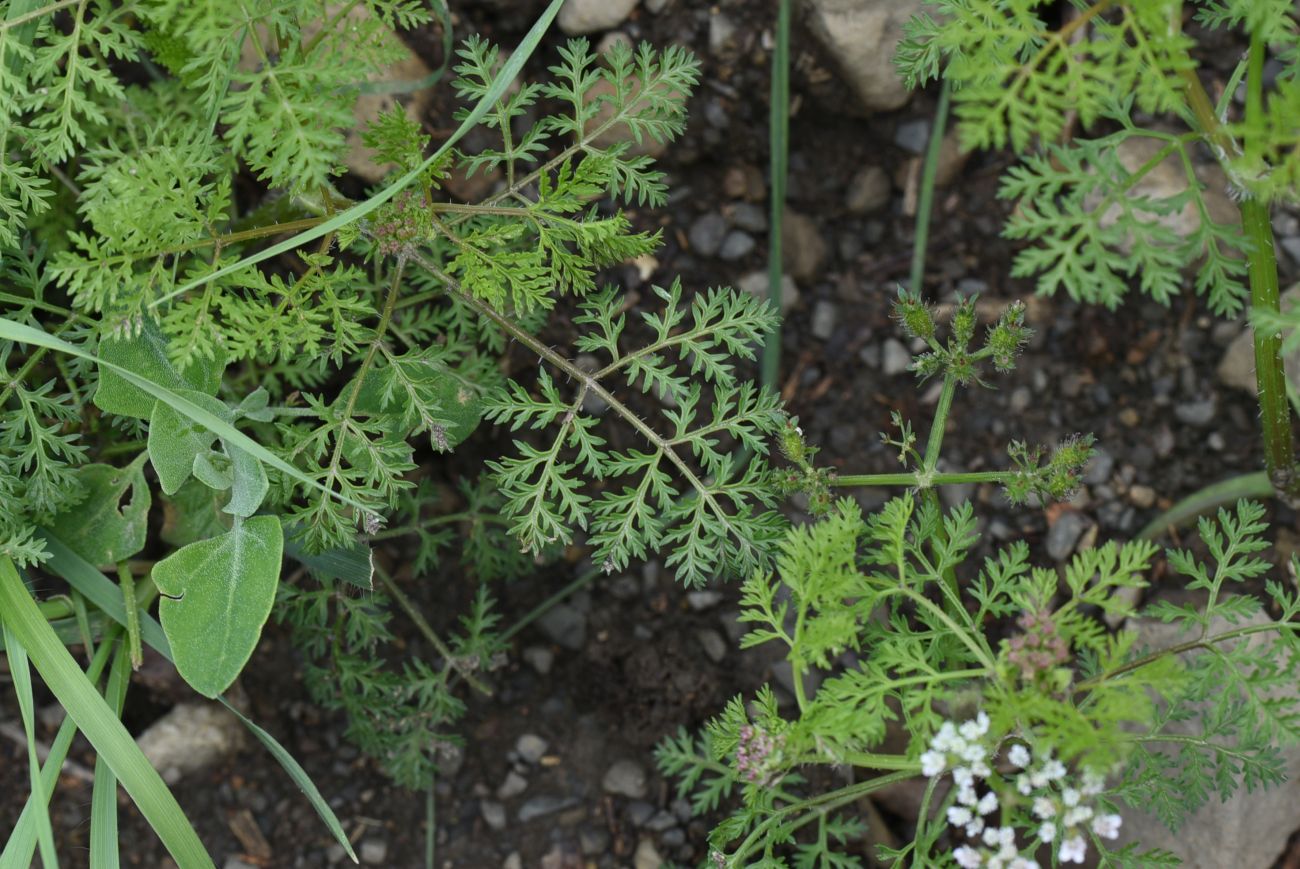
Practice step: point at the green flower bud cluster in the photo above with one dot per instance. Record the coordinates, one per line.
(1057, 478)
(1002, 343)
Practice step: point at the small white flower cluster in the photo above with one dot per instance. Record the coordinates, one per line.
(1058, 806)
(961, 750)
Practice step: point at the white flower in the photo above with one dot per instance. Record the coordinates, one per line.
(932, 763)
(1070, 797)
(1077, 815)
(981, 769)
(1054, 770)
(1107, 826)
(1047, 832)
(1093, 783)
(995, 862)
(966, 796)
(974, 827)
(959, 816)
(1044, 808)
(946, 737)
(1023, 863)
(1073, 850)
(962, 776)
(987, 804)
(1023, 785)
(1019, 756)
(973, 730)
(973, 753)
(991, 836)
(967, 857)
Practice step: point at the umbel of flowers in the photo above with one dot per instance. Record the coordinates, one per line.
(1062, 806)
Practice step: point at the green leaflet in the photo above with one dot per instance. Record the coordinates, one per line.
(105, 527)
(146, 355)
(175, 440)
(218, 595)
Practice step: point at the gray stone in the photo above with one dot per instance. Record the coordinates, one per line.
(542, 805)
(715, 647)
(737, 245)
(1237, 367)
(530, 747)
(722, 32)
(588, 16)
(749, 216)
(646, 857)
(699, 601)
(1142, 497)
(1168, 179)
(1064, 534)
(564, 625)
(1252, 827)
(593, 841)
(1291, 244)
(539, 658)
(895, 359)
(654, 7)
(514, 861)
(1099, 467)
(824, 317)
(1021, 396)
(868, 191)
(513, 786)
(755, 283)
(1196, 413)
(373, 852)
(661, 821)
(639, 812)
(190, 737)
(862, 35)
(913, 135)
(706, 234)
(802, 245)
(493, 813)
(626, 778)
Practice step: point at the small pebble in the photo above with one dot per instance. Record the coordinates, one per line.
(1129, 417)
(531, 747)
(1196, 413)
(646, 857)
(539, 658)
(373, 852)
(661, 821)
(564, 625)
(896, 358)
(626, 778)
(1099, 467)
(593, 841)
(824, 318)
(913, 135)
(749, 216)
(1064, 534)
(513, 786)
(639, 812)
(699, 601)
(514, 861)
(1142, 496)
(737, 245)
(706, 234)
(868, 191)
(715, 647)
(494, 814)
(543, 805)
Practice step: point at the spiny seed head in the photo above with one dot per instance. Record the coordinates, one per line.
(963, 321)
(1006, 339)
(913, 315)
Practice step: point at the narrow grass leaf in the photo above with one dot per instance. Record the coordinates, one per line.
(103, 798)
(22, 679)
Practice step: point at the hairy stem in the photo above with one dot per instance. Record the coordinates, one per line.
(427, 631)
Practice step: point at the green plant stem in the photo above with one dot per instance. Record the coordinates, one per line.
(1270, 375)
(17, 20)
(1189, 646)
(779, 148)
(427, 631)
(445, 519)
(922, 818)
(583, 580)
(982, 655)
(934, 444)
(127, 582)
(919, 480)
(925, 203)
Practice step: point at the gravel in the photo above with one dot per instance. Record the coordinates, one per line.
(565, 625)
(513, 786)
(626, 778)
(530, 747)
(1064, 534)
(737, 245)
(494, 814)
(707, 233)
(373, 852)
(1196, 413)
(748, 216)
(543, 805)
(715, 647)
(868, 190)
(895, 358)
(539, 658)
(824, 317)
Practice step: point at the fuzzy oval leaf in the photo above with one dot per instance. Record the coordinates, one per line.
(106, 527)
(175, 439)
(248, 483)
(218, 595)
(146, 355)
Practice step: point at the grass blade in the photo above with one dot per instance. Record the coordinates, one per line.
(21, 844)
(22, 677)
(103, 799)
(779, 144)
(96, 720)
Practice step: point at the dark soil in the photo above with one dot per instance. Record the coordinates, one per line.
(643, 672)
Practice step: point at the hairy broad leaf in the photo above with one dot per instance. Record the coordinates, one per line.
(218, 595)
(175, 440)
(145, 354)
(112, 522)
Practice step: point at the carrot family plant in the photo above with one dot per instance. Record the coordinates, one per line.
(1033, 724)
(200, 326)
